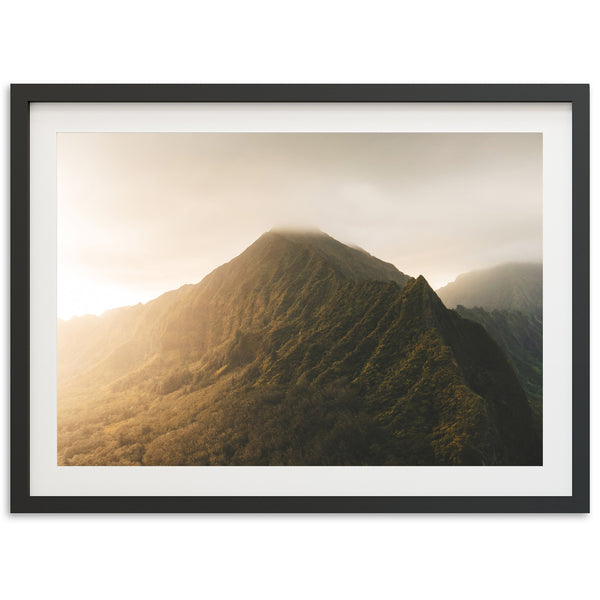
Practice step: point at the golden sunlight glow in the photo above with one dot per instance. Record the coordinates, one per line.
(142, 213)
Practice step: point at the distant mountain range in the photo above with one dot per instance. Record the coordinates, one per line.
(507, 301)
(300, 351)
(512, 286)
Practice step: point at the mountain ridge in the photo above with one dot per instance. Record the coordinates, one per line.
(508, 286)
(298, 351)
(271, 247)
(507, 301)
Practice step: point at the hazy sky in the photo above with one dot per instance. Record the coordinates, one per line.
(143, 213)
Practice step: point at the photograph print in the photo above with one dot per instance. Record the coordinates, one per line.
(299, 299)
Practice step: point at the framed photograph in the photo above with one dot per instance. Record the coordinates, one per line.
(300, 298)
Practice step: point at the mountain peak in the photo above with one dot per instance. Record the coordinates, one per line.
(295, 234)
(298, 232)
(349, 262)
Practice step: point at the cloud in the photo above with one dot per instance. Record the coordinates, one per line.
(143, 213)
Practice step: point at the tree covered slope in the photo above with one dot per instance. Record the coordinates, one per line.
(300, 351)
(507, 301)
(520, 336)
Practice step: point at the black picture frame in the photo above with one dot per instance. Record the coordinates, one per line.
(22, 95)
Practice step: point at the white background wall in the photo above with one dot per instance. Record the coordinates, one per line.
(471, 556)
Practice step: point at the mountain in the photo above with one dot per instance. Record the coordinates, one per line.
(507, 301)
(520, 335)
(512, 286)
(300, 351)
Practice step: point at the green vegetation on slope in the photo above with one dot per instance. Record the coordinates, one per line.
(301, 351)
(520, 336)
(507, 301)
